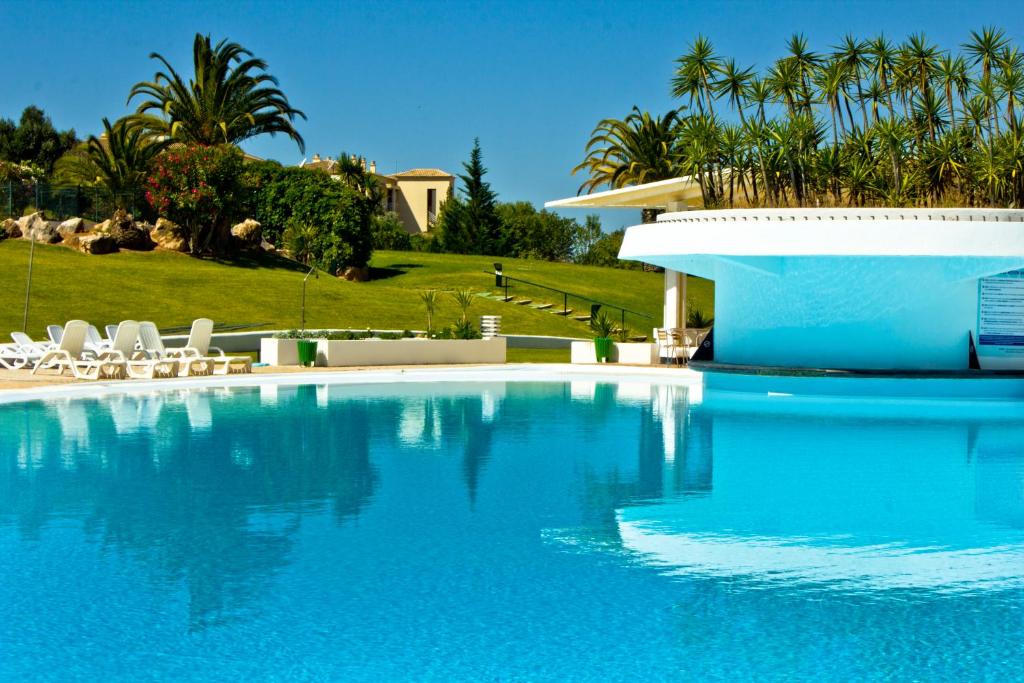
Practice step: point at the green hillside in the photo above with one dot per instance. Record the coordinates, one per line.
(172, 289)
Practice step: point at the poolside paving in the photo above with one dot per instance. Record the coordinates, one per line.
(19, 380)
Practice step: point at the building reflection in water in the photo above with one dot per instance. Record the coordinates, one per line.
(830, 497)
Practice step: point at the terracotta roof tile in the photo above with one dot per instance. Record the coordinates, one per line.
(423, 173)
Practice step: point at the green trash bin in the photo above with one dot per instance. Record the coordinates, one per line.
(307, 352)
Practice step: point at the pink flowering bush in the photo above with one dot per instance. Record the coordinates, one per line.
(197, 187)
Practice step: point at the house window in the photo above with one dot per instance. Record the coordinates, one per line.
(391, 199)
(431, 204)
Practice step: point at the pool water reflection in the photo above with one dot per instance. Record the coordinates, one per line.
(507, 531)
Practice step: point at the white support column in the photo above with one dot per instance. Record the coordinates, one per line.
(675, 299)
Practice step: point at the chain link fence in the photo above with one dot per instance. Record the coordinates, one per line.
(59, 202)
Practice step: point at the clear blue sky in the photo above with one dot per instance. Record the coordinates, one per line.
(409, 84)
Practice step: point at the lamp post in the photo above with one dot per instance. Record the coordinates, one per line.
(31, 258)
(28, 285)
(313, 272)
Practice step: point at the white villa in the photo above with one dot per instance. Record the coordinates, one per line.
(415, 195)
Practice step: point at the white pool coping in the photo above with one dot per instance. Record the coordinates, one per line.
(521, 372)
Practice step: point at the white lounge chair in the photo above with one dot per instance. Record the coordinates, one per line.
(69, 355)
(94, 341)
(54, 332)
(198, 346)
(12, 357)
(159, 363)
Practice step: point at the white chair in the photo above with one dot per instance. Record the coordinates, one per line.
(198, 346)
(54, 332)
(668, 345)
(160, 361)
(12, 357)
(95, 342)
(32, 350)
(69, 355)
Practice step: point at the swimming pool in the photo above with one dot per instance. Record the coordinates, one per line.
(576, 530)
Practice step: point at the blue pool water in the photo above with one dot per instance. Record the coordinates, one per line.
(519, 531)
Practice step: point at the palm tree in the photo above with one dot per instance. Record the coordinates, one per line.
(920, 58)
(852, 53)
(230, 98)
(695, 73)
(984, 48)
(785, 81)
(1010, 81)
(805, 62)
(951, 74)
(637, 149)
(118, 162)
(759, 93)
(884, 55)
(831, 79)
(733, 83)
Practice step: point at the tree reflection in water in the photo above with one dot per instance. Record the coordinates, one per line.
(208, 489)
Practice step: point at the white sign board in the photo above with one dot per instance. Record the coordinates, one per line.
(1001, 321)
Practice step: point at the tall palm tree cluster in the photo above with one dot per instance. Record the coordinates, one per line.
(868, 123)
(228, 99)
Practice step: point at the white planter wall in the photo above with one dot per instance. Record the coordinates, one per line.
(629, 353)
(373, 352)
(279, 351)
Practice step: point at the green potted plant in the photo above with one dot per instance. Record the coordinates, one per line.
(603, 328)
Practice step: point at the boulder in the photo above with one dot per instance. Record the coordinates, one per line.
(127, 233)
(103, 228)
(9, 228)
(72, 226)
(249, 233)
(168, 235)
(35, 227)
(356, 274)
(95, 244)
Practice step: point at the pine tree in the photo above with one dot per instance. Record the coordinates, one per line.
(451, 227)
(480, 222)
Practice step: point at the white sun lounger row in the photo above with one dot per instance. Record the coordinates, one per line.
(133, 350)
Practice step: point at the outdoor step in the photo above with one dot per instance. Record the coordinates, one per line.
(506, 299)
(582, 318)
(567, 311)
(523, 302)
(542, 307)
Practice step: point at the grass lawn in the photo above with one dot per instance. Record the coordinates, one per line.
(172, 289)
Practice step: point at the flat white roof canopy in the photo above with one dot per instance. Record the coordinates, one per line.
(829, 232)
(657, 195)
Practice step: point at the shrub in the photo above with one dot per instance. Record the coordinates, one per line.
(389, 233)
(280, 198)
(198, 188)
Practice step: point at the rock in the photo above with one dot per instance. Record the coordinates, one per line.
(35, 227)
(267, 246)
(249, 232)
(168, 235)
(72, 226)
(127, 234)
(102, 228)
(356, 274)
(10, 228)
(96, 244)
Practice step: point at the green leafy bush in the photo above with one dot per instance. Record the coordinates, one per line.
(337, 215)
(389, 233)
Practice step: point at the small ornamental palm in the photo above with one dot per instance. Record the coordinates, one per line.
(118, 161)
